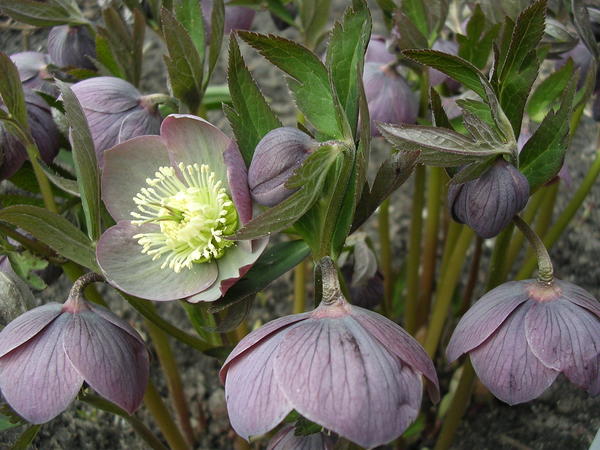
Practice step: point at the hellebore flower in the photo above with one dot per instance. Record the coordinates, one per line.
(488, 203)
(71, 46)
(43, 130)
(522, 334)
(377, 51)
(278, 154)
(33, 71)
(286, 439)
(115, 111)
(343, 367)
(236, 17)
(47, 353)
(176, 197)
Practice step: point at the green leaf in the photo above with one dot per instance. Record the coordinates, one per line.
(272, 264)
(250, 117)
(217, 23)
(43, 14)
(305, 427)
(411, 37)
(314, 15)
(84, 158)
(138, 33)
(53, 230)
(309, 179)
(345, 58)
(440, 119)
(584, 27)
(184, 64)
(189, 14)
(543, 154)
(416, 11)
(66, 184)
(308, 81)
(24, 264)
(476, 45)
(105, 59)
(11, 91)
(215, 96)
(496, 11)
(548, 91)
(26, 438)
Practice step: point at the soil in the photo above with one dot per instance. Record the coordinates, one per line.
(563, 418)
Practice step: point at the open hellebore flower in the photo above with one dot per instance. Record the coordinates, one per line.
(33, 71)
(176, 197)
(488, 203)
(43, 130)
(522, 334)
(47, 353)
(343, 367)
(71, 46)
(115, 111)
(278, 154)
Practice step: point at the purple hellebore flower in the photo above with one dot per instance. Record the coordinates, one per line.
(71, 46)
(236, 17)
(43, 130)
(522, 334)
(115, 111)
(343, 367)
(47, 353)
(33, 71)
(377, 51)
(286, 439)
(175, 198)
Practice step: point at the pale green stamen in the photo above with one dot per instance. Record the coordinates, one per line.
(194, 214)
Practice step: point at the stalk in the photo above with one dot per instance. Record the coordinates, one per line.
(472, 280)
(385, 260)
(454, 229)
(545, 269)
(299, 288)
(544, 217)
(163, 419)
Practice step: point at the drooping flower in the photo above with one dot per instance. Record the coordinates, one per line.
(236, 17)
(278, 154)
(71, 46)
(377, 51)
(488, 203)
(522, 334)
(33, 71)
(286, 439)
(43, 130)
(176, 197)
(47, 353)
(115, 111)
(343, 367)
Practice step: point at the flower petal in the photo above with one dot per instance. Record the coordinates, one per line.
(255, 403)
(192, 140)
(110, 360)
(579, 296)
(27, 325)
(506, 365)
(106, 94)
(115, 320)
(335, 374)
(37, 379)
(233, 265)
(237, 177)
(402, 344)
(137, 123)
(126, 168)
(125, 266)
(485, 316)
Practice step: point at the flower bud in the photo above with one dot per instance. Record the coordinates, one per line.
(71, 46)
(278, 154)
(236, 17)
(389, 96)
(488, 203)
(43, 130)
(33, 71)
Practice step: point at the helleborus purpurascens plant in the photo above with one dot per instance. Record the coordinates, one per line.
(115, 111)
(176, 198)
(72, 46)
(348, 369)
(47, 353)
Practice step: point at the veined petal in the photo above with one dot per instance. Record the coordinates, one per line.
(237, 177)
(126, 168)
(110, 360)
(337, 375)
(255, 402)
(507, 366)
(37, 379)
(579, 296)
(139, 122)
(106, 94)
(125, 266)
(115, 320)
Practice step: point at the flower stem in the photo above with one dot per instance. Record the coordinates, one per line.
(42, 179)
(545, 269)
(299, 288)
(385, 261)
(473, 274)
(446, 289)
(414, 251)
(544, 217)
(454, 229)
(163, 419)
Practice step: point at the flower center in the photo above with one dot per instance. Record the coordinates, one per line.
(194, 214)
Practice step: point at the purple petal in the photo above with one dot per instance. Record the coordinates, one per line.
(106, 94)
(402, 344)
(138, 123)
(121, 182)
(27, 326)
(111, 317)
(485, 316)
(232, 266)
(579, 296)
(237, 177)
(335, 374)
(30, 64)
(285, 439)
(71, 46)
(37, 379)
(506, 365)
(125, 266)
(566, 338)
(255, 403)
(110, 360)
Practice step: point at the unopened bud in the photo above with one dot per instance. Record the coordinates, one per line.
(71, 46)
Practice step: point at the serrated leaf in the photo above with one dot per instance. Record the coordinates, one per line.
(250, 117)
(84, 158)
(314, 15)
(189, 14)
(66, 184)
(416, 11)
(217, 23)
(53, 230)
(11, 91)
(548, 91)
(475, 46)
(411, 37)
(43, 14)
(308, 81)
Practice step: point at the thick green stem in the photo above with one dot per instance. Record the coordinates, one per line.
(163, 419)
(445, 290)
(42, 179)
(544, 217)
(414, 251)
(566, 216)
(385, 261)
(454, 229)
(546, 271)
(495, 273)
(169, 365)
(299, 288)
(467, 296)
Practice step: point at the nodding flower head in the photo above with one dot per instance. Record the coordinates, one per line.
(71, 46)
(176, 198)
